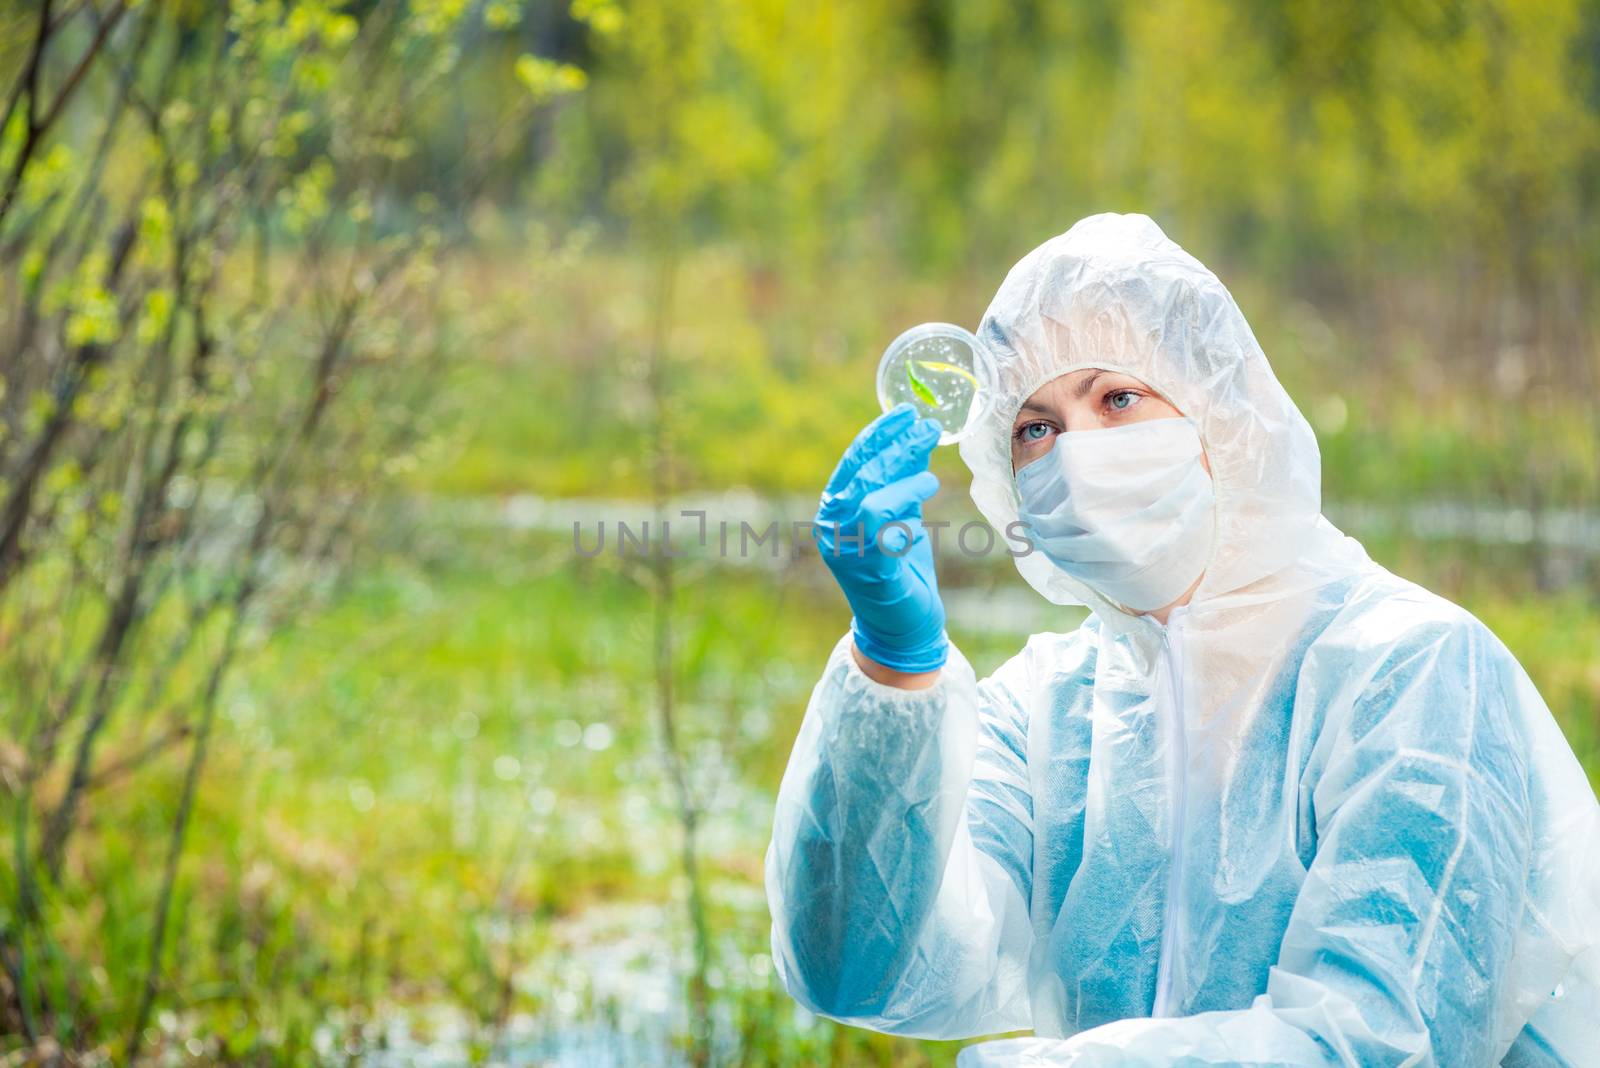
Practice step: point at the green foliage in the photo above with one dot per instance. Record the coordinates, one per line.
(546, 79)
(636, 238)
(200, 289)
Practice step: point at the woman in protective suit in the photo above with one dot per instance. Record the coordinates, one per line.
(1269, 804)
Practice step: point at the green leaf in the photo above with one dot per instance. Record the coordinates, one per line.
(502, 14)
(949, 369)
(547, 79)
(920, 388)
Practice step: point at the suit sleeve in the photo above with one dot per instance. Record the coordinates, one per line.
(899, 872)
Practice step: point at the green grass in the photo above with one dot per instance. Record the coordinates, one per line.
(417, 789)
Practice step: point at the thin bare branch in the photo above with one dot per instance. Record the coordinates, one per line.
(74, 79)
(27, 85)
(130, 762)
(38, 126)
(14, 516)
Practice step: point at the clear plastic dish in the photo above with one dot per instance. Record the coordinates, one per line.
(944, 371)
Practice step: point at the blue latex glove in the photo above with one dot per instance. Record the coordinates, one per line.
(889, 582)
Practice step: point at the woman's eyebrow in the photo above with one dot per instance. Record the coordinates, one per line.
(1079, 391)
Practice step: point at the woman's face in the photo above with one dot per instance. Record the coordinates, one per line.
(1086, 399)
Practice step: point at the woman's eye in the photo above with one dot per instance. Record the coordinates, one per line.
(1122, 400)
(1032, 432)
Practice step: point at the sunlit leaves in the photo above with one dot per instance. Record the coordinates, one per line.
(155, 316)
(91, 310)
(41, 406)
(317, 22)
(50, 175)
(233, 282)
(547, 79)
(502, 14)
(437, 17)
(155, 229)
(289, 130)
(306, 200)
(603, 16)
(219, 126)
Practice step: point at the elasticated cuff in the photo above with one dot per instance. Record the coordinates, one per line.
(928, 656)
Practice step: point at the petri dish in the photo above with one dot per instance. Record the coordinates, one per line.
(944, 372)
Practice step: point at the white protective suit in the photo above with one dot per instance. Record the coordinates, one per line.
(1322, 817)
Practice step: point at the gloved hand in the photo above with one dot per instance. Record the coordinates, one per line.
(890, 584)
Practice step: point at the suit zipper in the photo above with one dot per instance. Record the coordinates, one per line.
(1178, 774)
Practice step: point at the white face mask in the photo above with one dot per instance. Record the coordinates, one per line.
(1126, 511)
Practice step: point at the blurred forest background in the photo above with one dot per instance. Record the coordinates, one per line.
(322, 323)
